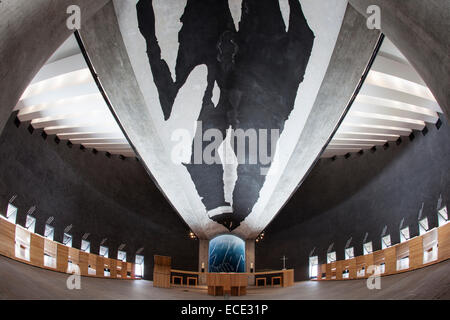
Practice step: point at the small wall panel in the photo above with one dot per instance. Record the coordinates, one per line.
(100, 267)
(378, 257)
(369, 260)
(84, 263)
(444, 242)
(350, 264)
(162, 271)
(7, 238)
(390, 260)
(288, 278)
(415, 252)
(328, 271)
(402, 250)
(123, 271)
(37, 250)
(113, 268)
(62, 258)
(74, 255)
(339, 270)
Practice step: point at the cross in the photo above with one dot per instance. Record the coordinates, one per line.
(284, 262)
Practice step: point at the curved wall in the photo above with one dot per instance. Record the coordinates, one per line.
(346, 198)
(106, 197)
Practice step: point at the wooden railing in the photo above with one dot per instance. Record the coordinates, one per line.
(283, 278)
(421, 251)
(22, 245)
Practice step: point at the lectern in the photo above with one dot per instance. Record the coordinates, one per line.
(161, 271)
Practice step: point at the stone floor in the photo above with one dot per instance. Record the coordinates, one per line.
(20, 281)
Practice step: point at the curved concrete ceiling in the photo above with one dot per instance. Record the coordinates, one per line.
(392, 102)
(285, 65)
(64, 100)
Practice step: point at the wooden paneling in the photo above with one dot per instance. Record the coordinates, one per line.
(161, 271)
(113, 267)
(378, 257)
(84, 262)
(369, 260)
(62, 258)
(350, 265)
(231, 283)
(37, 250)
(444, 242)
(288, 278)
(39, 246)
(402, 250)
(74, 256)
(360, 264)
(123, 271)
(100, 267)
(390, 260)
(415, 252)
(7, 238)
(339, 269)
(328, 271)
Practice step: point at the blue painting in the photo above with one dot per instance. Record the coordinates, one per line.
(227, 254)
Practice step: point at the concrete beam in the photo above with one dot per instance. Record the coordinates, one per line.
(420, 30)
(355, 46)
(104, 43)
(30, 31)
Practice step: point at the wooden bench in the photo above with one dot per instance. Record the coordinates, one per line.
(257, 280)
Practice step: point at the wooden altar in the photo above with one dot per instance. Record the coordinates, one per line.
(234, 284)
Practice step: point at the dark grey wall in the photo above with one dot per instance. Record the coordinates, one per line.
(349, 197)
(106, 197)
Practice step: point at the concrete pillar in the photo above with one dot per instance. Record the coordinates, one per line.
(420, 29)
(250, 259)
(203, 252)
(30, 32)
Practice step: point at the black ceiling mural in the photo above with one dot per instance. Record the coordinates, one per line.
(258, 69)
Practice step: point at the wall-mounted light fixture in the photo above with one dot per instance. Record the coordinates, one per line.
(192, 235)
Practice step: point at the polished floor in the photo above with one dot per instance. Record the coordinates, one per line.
(20, 281)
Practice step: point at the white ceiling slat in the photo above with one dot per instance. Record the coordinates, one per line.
(91, 135)
(362, 136)
(60, 67)
(386, 93)
(390, 50)
(84, 119)
(366, 128)
(109, 146)
(88, 103)
(384, 80)
(100, 127)
(122, 141)
(350, 146)
(397, 69)
(398, 109)
(57, 83)
(60, 94)
(113, 151)
(385, 121)
(337, 141)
